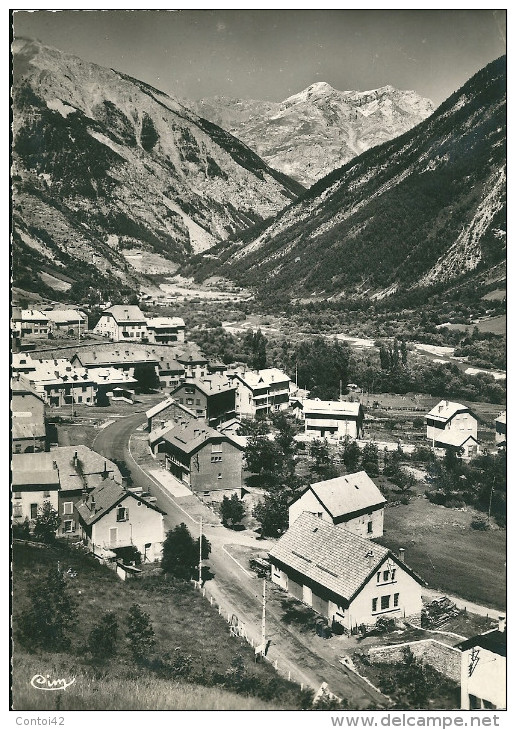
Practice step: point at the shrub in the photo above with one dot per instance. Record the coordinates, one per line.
(140, 634)
(102, 638)
(479, 524)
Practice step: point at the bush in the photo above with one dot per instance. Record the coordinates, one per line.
(479, 524)
(140, 634)
(102, 638)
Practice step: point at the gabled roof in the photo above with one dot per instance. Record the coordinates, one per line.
(27, 428)
(445, 410)
(62, 316)
(502, 418)
(210, 385)
(333, 557)
(115, 354)
(193, 435)
(20, 385)
(107, 496)
(164, 404)
(262, 378)
(35, 469)
(455, 439)
(125, 313)
(33, 315)
(333, 407)
(348, 494)
(157, 322)
(495, 641)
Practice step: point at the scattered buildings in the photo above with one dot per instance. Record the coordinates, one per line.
(452, 424)
(28, 432)
(112, 517)
(212, 398)
(343, 576)
(333, 419)
(483, 670)
(208, 462)
(260, 391)
(353, 501)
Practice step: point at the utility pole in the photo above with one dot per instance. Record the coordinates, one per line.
(490, 499)
(263, 617)
(200, 553)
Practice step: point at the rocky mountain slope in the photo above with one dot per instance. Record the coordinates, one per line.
(319, 129)
(103, 162)
(424, 209)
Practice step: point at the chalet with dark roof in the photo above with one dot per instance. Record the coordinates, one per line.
(452, 425)
(352, 501)
(343, 576)
(484, 670)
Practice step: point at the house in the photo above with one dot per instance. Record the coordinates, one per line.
(333, 419)
(208, 462)
(484, 670)
(170, 373)
(452, 424)
(501, 430)
(123, 357)
(112, 517)
(30, 322)
(194, 363)
(35, 480)
(165, 329)
(170, 412)
(28, 432)
(109, 381)
(343, 576)
(57, 381)
(352, 501)
(212, 398)
(71, 472)
(122, 322)
(260, 391)
(67, 321)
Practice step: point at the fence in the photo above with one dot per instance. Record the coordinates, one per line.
(239, 630)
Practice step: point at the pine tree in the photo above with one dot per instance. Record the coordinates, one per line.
(140, 634)
(102, 638)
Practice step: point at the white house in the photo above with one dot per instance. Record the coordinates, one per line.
(112, 517)
(165, 329)
(484, 670)
(333, 419)
(30, 322)
(343, 576)
(35, 480)
(352, 501)
(260, 391)
(452, 424)
(122, 322)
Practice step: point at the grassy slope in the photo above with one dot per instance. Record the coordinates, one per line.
(180, 617)
(447, 553)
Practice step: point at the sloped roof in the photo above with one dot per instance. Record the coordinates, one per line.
(124, 313)
(107, 496)
(348, 494)
(333, 557)
(502, 418)
(455, 439)
(210, 385)
(262, 378)
(190, 437)
(27, 428)
(111, 376)
(164, 404)
(120, 353)
(445, 410)
(33, 315)
(156, 322)
(62, 316)
(333, 407)
(33, 470)
(495, 641)
(20, 385)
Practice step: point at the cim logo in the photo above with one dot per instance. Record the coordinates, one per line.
(39, 681)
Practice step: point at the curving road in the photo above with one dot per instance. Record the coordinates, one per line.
(310, 661)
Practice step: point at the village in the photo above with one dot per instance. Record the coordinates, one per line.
(338, 546)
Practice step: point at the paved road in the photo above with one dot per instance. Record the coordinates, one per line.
(235, 587)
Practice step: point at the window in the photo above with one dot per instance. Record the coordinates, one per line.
(189, 401)
(385, 602)
(33, 511)
(68, 508)
(215, 459)
(197, 401)
(319, 514)
(219, 475)
(17, 448)
(79, 399)
(386, 575)
(17, 510)
(396, 599)
(369, 527)
(46, 493)
(17, 495)
(122, 514)
(393, 574)
(68, 526)
(378, 577)
(375, 605)
(216, 448)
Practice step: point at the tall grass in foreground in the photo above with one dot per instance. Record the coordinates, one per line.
(112, 693)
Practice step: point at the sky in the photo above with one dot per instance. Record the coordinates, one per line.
(272, 54)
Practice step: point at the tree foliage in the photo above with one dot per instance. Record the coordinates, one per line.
(181, 552)
(102, 639)
(46, 523)
(140, 634)
(232, 509)
(322, 466)
(351, 455)
(370, 459)
(45, 624)
(272, 513)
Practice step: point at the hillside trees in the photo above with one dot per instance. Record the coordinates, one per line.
(181, 552)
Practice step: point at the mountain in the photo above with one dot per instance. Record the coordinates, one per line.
(104, 163)
(319, 129)
(421, 210)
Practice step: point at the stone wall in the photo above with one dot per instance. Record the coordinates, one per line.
(442, 657)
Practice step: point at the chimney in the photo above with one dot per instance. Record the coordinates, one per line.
(124, 482)
(401, 554)
(369, 556)
(92, 504)
(75, 459)
(502, 624)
